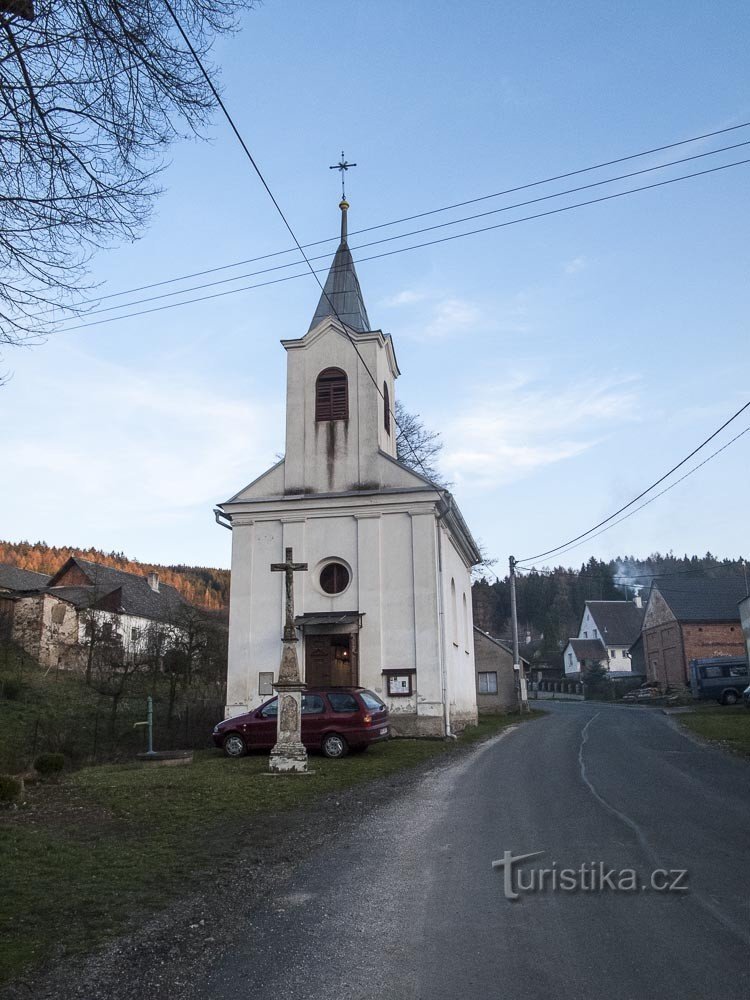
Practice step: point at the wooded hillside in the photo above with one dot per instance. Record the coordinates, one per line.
(202, 586)
(551, 601)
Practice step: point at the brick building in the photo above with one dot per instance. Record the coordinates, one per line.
(688, 619)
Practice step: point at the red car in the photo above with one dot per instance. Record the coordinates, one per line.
(334, 720)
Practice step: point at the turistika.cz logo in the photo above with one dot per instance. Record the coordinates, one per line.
(591, 876)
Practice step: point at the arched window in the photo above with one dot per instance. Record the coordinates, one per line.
(386, 408)
(466, 625)
(332, 395)
(454, 613)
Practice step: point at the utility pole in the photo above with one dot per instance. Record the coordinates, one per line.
(521, 693)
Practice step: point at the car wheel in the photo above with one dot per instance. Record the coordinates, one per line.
(234, 745)
(334, 746)
(730, 698)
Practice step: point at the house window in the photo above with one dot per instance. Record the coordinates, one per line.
(334, 578)
(570, 659)
(386, 408)
(612, 654)
(585, 635)
(332, 395)
(135, 634)
(487, 682)
(454, 613)
(58, 614)
(596, 634)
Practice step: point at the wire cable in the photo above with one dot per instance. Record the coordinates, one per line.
(276, 205)
(559, 549)
(416, 246)
(402, 236)
(420, 215)
(660, 494)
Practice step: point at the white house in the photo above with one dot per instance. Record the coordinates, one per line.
(386, 600)
(52, 617)
(608, 629)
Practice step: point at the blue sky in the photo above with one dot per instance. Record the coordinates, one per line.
(567, 361)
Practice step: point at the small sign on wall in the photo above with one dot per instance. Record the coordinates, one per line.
(399, 683)
(265, 682)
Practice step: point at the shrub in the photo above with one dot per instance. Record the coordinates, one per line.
(12, 689)
(49, 764)
(10, 789)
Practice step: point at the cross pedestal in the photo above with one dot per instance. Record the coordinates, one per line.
(289, 755)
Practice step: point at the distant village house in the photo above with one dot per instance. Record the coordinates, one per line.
(56, 619)
(607, 636)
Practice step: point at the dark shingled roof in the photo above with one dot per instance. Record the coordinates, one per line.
(619, 622)
(703, 600)
(13, 578)
(342, 295)
(588, 649)
(136, 596)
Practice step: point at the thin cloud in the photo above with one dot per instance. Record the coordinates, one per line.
(520, 426)
(575, 265)
(407, 297)
(142, 446)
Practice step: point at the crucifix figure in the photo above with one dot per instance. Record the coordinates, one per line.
(289, 755)
(342, 166)
(290, 567)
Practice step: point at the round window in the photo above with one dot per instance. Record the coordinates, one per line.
(334, 578)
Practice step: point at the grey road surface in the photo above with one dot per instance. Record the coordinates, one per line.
(410, 905)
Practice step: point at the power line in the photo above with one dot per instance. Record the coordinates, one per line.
(419, 246)
(434, 211)
(276, 205)
(401, 236)
(567, 547)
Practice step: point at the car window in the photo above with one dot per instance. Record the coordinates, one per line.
(372, 702)
(340, 701)
(271, 710)
(312, 704)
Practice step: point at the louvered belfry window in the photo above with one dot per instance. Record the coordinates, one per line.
(332, 395)
(386, 408)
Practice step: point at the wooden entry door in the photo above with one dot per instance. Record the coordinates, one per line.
(331, 661)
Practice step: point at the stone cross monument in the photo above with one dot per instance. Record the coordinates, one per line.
(289, 754)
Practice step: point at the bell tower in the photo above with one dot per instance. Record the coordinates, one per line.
(340, 389)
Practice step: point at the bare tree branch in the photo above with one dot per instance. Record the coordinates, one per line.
(91, 94)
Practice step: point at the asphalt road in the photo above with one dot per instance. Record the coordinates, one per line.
(410, 905)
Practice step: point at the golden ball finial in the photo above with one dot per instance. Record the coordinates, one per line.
(343, 204)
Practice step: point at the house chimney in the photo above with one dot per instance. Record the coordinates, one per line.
(637, 597)
(153, 581)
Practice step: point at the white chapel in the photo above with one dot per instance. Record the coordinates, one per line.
(386, 601)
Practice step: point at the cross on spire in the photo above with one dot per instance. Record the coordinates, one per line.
(342, 166)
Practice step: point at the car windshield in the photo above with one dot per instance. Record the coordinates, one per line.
(372, 702)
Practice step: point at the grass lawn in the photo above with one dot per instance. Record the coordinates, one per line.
(113, 842)
(728, 725)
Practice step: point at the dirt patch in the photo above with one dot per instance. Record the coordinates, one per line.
(58, 808)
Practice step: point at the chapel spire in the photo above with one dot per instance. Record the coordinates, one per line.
(342, 295)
